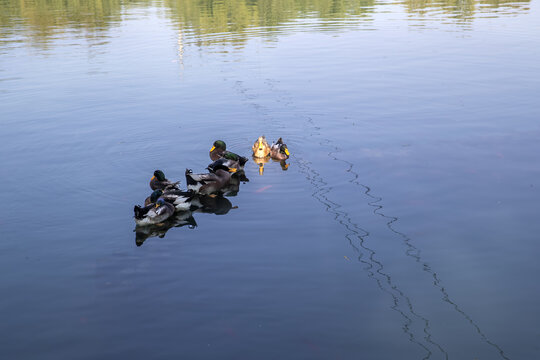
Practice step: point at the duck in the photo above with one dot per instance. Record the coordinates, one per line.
(159, 181)
(279, 150)
(152, 215)
(230, 160)
(154, 196)
(180, 199)
(210, 183)
(219, 150)
(260, 148)
(232, 188)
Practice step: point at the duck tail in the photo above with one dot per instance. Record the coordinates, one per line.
(189, 178)
(138, 212)
(243, 160)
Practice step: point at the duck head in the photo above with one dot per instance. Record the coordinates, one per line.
(158, 174)
(155, 195)
(219, 145)
(284, 150)
(160, 202)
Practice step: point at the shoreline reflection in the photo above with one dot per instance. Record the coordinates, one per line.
(40, 22)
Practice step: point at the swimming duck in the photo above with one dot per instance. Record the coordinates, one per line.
(260, 148)
(151, 200)
(232, 188)
(151, 215)
(279, 151)
(180, 199)
(230, 160)
(219, 150)
(210, 183)
(159, 181)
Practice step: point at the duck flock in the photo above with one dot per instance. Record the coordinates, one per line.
(169, 206)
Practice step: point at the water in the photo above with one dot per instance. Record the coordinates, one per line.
(404, 227)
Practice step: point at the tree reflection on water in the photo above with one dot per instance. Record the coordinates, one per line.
(222, 22)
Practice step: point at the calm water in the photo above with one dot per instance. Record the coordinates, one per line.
(405, 227)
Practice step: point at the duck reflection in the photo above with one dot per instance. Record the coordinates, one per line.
(184, 218)
(206, 204)
(218, 205)
(232, 186)
(261, 162)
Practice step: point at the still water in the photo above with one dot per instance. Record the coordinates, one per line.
(405, 227)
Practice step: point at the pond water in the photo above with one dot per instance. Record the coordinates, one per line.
(405, 226)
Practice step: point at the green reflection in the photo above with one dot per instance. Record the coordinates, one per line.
(219, 21)
(464, 10)
(43, 18)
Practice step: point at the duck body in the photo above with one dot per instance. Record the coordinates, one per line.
(232, 188)
(279, 150)
(180, 199)
(153, 214)
(260, 148)
(209, 183)
(219, 150)
(160, 182)
(151, 200)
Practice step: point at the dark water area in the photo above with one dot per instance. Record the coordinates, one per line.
(405, 226)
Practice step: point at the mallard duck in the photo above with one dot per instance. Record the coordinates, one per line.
(151, 200)
(219, 150)
(180, 199)
(151, 215)
(159, 181)
(230, 160)
(260, 148)
(210, 183)
(279, 151)
(232, 188)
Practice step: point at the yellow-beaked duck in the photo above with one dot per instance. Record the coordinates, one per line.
(260, 148)
(159, 181)
(153, 214)
(279, 150)
(219, 150)
(181, 200)
(210, 183)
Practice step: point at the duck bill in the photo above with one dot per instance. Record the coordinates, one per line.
(153, 178)
(232, 170)
(213, 148)
(287, 152)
